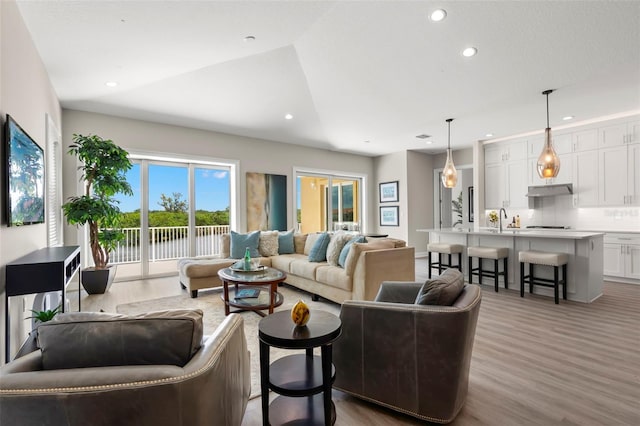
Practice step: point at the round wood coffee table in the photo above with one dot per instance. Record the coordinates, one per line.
(264, 280)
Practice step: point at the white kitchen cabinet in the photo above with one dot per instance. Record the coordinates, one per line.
(494, 186)
(612, 173)
(622, 133)
(585, 140)
(632, 262)
(613, 260)
(510, 151)
(562, 144)
(619, 177)
(585, 179)
(516, 184)
(633, 174)
(505, 176)
(622, 256)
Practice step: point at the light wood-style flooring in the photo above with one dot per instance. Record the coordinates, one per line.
(534, 362)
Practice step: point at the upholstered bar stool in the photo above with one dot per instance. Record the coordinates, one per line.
(444, 248)
(547, 259)
(495, 253)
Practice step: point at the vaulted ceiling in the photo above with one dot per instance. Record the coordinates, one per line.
(363, 77)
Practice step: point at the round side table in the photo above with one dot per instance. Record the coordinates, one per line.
(303, 380)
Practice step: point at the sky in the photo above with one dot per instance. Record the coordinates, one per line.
(212, 187)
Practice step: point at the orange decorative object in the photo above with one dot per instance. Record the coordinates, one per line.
(300, 313)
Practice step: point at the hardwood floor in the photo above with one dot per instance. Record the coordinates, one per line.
(534, 362)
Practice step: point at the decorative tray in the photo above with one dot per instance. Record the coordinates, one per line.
(239, 267)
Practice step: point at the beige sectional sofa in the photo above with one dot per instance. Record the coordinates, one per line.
(367, 265)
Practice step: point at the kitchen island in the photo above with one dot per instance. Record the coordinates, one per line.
(585, 251)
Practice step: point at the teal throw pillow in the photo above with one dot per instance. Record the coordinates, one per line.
(342, 259)
(285, 243)
(318, 252)
(240, 242)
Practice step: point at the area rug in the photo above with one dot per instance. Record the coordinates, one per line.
(211, 304)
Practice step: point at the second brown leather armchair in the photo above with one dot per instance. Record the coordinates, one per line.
(411, 358)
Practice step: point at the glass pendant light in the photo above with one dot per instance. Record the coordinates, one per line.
(548, 162)
(449, 174)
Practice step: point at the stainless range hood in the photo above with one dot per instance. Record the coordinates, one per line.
(550, 190)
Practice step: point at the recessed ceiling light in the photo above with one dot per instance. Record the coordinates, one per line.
(489, 135)
(568, 117)
(469, 52)
(111, 83)
(438, 15)
(249, 39)
(288, 116)
(428, 142)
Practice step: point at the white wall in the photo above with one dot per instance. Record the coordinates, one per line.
(27, 95)
(253, 155)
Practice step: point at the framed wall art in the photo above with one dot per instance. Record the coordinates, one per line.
(389, 216)
(389, 192)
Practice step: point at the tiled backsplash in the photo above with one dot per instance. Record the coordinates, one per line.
(559, 211)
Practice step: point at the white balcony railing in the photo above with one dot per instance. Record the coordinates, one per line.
(169, 242)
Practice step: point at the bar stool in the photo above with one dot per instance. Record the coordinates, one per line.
(495, 253)
(444, 248)
(547, 259)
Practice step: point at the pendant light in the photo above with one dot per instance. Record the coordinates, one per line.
(449, 174)
(548, 162)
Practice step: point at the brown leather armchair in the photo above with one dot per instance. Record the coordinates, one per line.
(407, 357)
(179, 377)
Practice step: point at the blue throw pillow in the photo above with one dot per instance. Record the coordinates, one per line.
(318, 252)
(285, 243)
(345, 250)
(240, 242)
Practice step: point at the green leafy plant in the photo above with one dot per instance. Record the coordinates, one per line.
(457, 208)
(44, 316)
(103, 169)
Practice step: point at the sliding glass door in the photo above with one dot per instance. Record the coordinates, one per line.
(179, 209)
(328, 202)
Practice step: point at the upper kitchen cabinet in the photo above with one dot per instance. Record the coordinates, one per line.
(500, 152)
(622, 133)
(618, 164)
(585, 178)
(585, 140)
(505, 182)
(562, 144)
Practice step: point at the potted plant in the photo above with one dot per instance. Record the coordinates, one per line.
(31, 344)
(103, 167)
(44, 316)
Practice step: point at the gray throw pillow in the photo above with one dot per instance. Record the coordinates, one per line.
(442, 290)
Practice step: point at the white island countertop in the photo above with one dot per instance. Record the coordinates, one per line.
(520, 232)
(584, 250)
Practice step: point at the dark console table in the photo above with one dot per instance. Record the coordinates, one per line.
(41, 271)
(303, 380)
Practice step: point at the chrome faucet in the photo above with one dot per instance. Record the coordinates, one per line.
(502, 210)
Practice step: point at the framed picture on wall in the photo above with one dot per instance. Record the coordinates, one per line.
(389, 216)
(389, 192)
(470, 202)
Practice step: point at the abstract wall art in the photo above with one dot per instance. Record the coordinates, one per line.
(266, 202)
